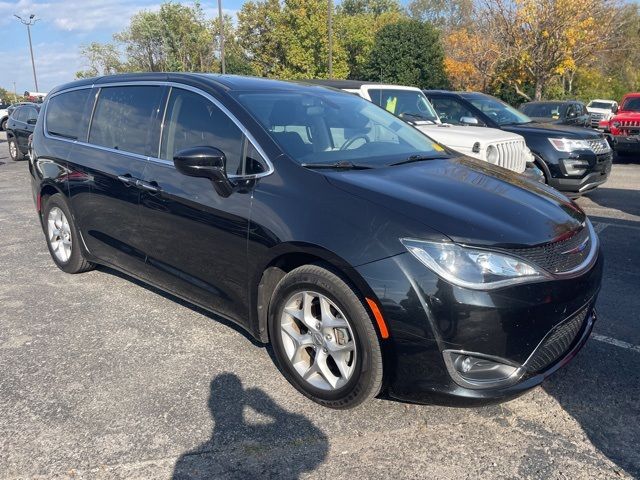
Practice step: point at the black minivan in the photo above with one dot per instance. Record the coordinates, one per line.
(374, 260)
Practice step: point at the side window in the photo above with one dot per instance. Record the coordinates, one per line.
(193, 121)
(571, 111)
(20, 114)
(124, 116)
(450, 110)
(66, 115)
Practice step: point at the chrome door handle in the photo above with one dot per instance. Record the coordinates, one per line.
(151, 187)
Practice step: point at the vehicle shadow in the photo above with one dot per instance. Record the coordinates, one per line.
(600, 390)
(627, 201)
(277, 444)
(180, 301)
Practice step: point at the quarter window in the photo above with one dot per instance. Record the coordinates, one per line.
(124, 118)
(193, 121)
(66, 114)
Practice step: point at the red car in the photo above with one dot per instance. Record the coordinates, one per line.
(625, 125)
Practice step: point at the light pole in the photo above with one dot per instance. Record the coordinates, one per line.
(32, 19)
(330, 28)
(221, 36)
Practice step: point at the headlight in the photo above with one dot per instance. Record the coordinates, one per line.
(569, 144)
(492, 154)
(473, 268)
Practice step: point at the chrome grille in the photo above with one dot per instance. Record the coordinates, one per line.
(557, 342)
(562, 256)
(512, 155)
(595, 119)
(629, 123)
(599, 146)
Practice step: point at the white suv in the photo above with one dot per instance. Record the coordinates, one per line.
(601, 110)
(499, 147)
(4, 116)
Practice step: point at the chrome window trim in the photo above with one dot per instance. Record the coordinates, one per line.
(225, 110)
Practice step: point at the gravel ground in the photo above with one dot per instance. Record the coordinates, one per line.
(104, 377)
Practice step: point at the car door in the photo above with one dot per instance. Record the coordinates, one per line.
(196, 239)
(583, 115)
(106, 168)
(17, 126)
(28, 127)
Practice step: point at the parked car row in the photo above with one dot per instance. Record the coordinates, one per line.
(371, 257)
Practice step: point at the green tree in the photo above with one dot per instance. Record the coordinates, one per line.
(445, 14)
(303, 31)
(409, 53)
(372, 7)
(258, 25)
(102, 59)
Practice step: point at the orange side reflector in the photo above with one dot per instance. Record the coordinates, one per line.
(384, 332)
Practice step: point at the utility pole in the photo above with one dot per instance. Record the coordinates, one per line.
(330, 28)
(32, 19)
(222, 65)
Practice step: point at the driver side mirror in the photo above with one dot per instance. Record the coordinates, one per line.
(206, 162)
(32, 121)
(469, 121)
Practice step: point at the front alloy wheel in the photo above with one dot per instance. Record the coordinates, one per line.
(318, 340)
(323, 338)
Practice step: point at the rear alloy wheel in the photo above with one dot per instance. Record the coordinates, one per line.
(62, 236)
(14, 151)
(323, 338)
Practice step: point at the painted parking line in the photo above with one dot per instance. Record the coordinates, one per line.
(615, 342)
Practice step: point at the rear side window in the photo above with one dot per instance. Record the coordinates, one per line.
(193, 121)
(124, 118)
(66, 115)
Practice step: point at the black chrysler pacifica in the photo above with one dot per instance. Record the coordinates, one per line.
(371, 258)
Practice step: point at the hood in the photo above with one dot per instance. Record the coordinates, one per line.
(598, 110)
(467, 200)
(626, 115)
(553, 130)
(461, 135)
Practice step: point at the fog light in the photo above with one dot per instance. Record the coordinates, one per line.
(574, 166)
(475, 370)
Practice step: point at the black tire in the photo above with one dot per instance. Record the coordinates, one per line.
(366, 378)
(3, 125)
(76, 262)
(14, 150)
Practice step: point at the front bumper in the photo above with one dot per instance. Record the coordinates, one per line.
(629, 143)
(426, 316)
(597, 174)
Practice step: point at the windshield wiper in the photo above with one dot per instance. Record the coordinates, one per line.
(337, 165)
(419, 158)
(415, 117)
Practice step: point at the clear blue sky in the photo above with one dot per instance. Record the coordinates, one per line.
(63, 27)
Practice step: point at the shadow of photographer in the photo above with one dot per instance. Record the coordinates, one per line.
(252, 436)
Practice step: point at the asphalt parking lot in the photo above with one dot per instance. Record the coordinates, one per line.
(104, 377)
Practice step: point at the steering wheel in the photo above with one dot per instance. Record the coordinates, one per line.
(352, 140)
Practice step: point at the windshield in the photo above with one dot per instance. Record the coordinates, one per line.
(327, 127)
(631, 104)
(545, 110)
(406, 104)
(498, 111)
(604, 105)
